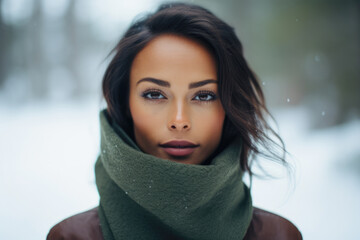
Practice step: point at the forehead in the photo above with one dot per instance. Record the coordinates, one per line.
(172, 57)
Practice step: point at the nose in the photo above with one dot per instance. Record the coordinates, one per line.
(179, 119)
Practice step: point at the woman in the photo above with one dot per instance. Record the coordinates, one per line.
(184, 114)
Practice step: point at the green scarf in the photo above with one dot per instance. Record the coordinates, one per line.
(145, 197)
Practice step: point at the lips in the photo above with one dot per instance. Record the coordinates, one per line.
(179, 148)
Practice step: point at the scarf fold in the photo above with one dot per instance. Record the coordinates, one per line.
(145, 197)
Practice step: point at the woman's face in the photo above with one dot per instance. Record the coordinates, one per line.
(174, 101)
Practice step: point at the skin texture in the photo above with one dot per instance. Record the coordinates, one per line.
(174, 112)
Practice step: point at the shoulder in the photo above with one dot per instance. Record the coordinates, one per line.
(265, 225)
(85, 225)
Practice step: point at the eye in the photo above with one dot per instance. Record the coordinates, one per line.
(153, 94)
(205, 96)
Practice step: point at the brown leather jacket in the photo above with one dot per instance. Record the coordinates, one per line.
(86, 225)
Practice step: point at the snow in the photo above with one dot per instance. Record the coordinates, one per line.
(48, 151)
(46, 168)
(323, 202)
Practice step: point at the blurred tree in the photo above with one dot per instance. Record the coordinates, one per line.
(36, 63)
(72, 30)
(305, 52)
(5, 40)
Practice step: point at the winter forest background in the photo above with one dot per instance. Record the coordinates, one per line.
(53, 55)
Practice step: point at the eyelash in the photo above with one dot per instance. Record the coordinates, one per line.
(156, 91)
(208, 93)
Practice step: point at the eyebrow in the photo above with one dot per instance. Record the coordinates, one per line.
(164, 83)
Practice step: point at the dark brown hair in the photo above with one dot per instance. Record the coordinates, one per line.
(239, 89)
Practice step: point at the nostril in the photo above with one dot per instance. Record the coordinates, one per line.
(179, 126)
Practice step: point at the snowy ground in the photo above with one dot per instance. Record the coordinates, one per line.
(48, 152)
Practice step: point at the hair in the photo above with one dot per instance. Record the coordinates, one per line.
(239, 90)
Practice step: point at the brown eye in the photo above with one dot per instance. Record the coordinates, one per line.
(155, 95)
(205, 96)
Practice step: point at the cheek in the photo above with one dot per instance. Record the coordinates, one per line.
(210, 123)
(146, 120)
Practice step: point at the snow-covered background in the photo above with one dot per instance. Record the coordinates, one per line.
(53, 56)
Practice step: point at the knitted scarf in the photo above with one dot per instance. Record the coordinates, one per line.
(145, 197)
